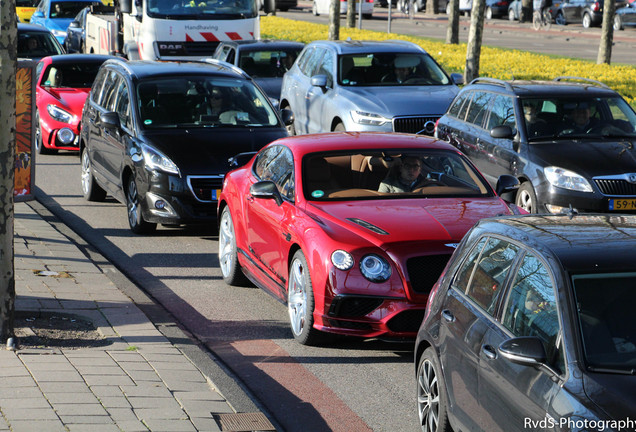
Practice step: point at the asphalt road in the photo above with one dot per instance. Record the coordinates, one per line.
(571, 40)
(349, 386)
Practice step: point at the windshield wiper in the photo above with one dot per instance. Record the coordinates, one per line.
(612, 370)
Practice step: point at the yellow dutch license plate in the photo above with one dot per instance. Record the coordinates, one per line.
(622, 204)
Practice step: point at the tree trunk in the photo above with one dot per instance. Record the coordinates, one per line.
(452, 31)
(269, 7)
(607, 33)
(334, 20)
(8, 65)
(473, 50)
(527, 8)
(432, 6)
(351, 13)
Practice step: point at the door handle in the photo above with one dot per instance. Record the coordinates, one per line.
(448, 315)
(489, 352)
(249, 198)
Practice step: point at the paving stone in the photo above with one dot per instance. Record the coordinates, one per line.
(93, 409)
(94, 428)
(28, 413)
(99, 419)
(114, 402)
(132, 426)
(163, 413)
(157, 425)
(37, 426)
(79, 398)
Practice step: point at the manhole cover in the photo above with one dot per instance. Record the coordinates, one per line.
(244, 422)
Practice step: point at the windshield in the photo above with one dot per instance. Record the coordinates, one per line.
(203, 102)
(73, 75)
(568, 118)
(37, 44)
(268, 63)
(201, 9)
(605, 304)
(375, 174)
(390, 69)
(67, 9)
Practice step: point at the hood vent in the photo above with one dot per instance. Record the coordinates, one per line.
(368, 226)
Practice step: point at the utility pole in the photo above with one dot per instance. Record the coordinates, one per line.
(8, 67)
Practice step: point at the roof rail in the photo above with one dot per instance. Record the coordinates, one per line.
(502, 83)
(574, 78)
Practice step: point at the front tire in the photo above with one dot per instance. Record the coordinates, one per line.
(339, 128)
(511, 15)
(39, 142)
(489, 13)
(91, 190)
(587, 21)
(431, 394)
(228, 253)
(133, 205)
(300, 302)
(526, 198)
(560, 19)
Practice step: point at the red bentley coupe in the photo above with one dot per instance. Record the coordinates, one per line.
(62, 85)
(351, 230)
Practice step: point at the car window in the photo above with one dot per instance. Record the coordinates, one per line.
(304, 58)
(490, 272)
(531, 308)
(464, 108)
(312, 63)
(327, 68)
(478, 109)
(110, 91)
(458, 103)
(604, 305)
(122, 104)
(502, 112)
(276, 163)
(96, 90)
(462, 278)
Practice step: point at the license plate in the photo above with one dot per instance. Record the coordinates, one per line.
(622, 204)
(215, 194)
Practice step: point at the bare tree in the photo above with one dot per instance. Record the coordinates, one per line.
(351, 13)
(607, 33)
(8, 66)
(527, 8)
(452, 31)
(334, 20)
(473, 50)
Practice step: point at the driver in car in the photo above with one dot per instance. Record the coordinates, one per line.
(581, 120)
(406, 177)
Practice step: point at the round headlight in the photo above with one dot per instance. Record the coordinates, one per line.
(375, 268)
(342, 260)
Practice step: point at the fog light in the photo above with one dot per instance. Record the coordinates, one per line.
(66, 136)
(557, 209)
(160, 205)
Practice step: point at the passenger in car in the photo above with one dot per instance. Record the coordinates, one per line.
(535, 126)
(405, 176)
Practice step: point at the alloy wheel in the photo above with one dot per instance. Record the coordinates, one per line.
(428, 396)
(297, 297)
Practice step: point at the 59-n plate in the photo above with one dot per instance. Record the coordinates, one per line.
(617, 204)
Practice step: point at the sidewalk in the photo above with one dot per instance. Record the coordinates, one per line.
(135, 380)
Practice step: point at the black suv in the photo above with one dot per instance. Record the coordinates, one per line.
(569, 141)
(157, 136)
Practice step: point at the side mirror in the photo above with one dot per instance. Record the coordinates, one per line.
(37, 14)
(110, 120)
(526, 351)
(74, 24)
(502, 131)
(319, 81)
(125, 6)
(287, 115)
(458, 79)
(240, 159)
(506, 183)
(266, 189)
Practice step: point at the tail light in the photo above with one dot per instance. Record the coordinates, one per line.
(596, 7)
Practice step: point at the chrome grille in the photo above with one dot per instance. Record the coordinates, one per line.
(415, 124)
(425, 270)
(616, 187)
(204, 187)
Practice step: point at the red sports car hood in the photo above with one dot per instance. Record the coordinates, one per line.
(407, 220)
(71, 99)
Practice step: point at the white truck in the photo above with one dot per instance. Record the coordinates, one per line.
(100, 31)
(173, 29)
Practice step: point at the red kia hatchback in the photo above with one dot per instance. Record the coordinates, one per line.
(351, 230)
(62, 85)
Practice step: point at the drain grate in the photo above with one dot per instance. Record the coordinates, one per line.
(243, 422)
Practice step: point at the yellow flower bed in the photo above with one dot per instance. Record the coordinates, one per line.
(494, 62)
